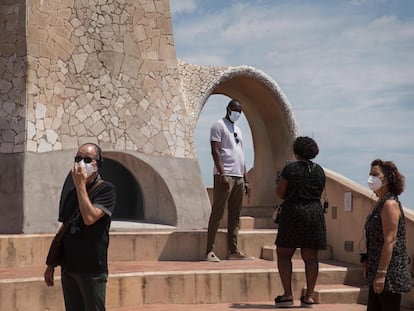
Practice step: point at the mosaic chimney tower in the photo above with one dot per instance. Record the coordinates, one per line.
(75, 71)
(104, 71)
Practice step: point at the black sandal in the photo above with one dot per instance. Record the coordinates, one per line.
(283, 302)
(306, 304)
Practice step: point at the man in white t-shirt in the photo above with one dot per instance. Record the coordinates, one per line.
(229, 180)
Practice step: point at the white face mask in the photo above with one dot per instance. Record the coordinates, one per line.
(374, 183)
(234, 115)
(88, 168)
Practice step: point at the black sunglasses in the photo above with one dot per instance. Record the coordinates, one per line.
(85, 159)
(235, 136)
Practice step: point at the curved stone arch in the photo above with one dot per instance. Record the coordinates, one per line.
(158, 202)
(267, 110)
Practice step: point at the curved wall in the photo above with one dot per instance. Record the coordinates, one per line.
(172, 189)
(158, 204)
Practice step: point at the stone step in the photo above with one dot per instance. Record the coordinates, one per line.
(264, 223)
(253, 217)
(245, 306)
(250, 223)
(340, 294)
(269, 253)
(136, 283)
(247, 223)
(158, 265)
(165, 244)
(265, 211)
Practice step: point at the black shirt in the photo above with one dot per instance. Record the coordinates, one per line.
(85, 248)
(306, 181)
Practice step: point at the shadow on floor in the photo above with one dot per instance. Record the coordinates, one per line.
(247, 306)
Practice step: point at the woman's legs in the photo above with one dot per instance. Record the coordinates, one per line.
(310, 257)
(284, 264)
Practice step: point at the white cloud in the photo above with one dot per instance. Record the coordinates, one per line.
(182, 6)
(346, 68)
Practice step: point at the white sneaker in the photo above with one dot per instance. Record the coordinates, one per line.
(211, 257)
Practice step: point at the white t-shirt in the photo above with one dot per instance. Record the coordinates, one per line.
(230, 138)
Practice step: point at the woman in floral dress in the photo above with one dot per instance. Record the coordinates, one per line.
(388, 265)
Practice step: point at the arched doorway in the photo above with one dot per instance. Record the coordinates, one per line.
(129, 202)
(150, 198)
(267, 110)
(213, 110)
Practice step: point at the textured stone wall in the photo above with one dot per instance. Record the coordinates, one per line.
(106, 71)
(12, 76)
(197, 83)
(97, 70)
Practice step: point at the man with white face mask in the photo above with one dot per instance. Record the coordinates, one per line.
(87, 208)
(229, 180)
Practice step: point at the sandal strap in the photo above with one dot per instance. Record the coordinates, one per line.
(302, 300)
(283, 299)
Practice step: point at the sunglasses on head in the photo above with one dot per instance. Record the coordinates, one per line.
(85, 159)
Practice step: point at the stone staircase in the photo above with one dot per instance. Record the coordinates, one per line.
(253, 217)
(257, 217)
(152, 264)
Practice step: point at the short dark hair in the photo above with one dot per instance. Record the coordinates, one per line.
(99, 153)
(305, 147)
(233, 102)
(396, 180)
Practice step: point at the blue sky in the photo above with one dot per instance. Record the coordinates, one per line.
(346, 67)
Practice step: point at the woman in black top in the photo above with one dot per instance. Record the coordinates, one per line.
(302, 221)
(388, 265)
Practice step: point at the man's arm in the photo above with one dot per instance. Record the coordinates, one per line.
(281, 188)
(90, 214)
(390, 216)
(49, 273)
(215, 152)
(246, 183)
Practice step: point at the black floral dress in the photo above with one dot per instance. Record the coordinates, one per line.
(398, 278)
(302, 221)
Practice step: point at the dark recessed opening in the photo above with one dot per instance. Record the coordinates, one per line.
(129, 202)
